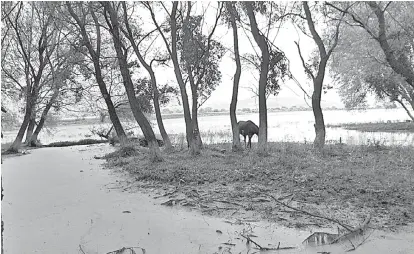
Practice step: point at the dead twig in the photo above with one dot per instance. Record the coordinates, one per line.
(80, 248)
(228, 202)
(167, 193)
(266, 248)
(354, 232)
(250, 240)
(361, 243)
(349, 228)
(172, 202)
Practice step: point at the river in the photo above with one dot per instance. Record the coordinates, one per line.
(296, 126)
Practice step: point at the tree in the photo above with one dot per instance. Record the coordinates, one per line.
(200, 58)
(173, 53)
(195, 57)
(385, 57)
(34, 38)
(95, 55)
(232, 17)
(361, 69)
(264, 70)
(325, 49)
(62, 88)
(111, 17)
(129, 33)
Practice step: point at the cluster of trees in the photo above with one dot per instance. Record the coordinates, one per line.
(61, 55)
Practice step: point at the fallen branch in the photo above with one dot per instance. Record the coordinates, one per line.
(172, 202)
(228, 202)
(266, 248)
(167, 194)
(354, 232)
(361, 243)
(250, 240)
(349, 228)
(80, 248)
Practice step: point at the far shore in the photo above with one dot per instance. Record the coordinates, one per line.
(407, 126)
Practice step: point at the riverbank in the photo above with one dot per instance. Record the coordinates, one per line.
(347, 183)
(377, 127)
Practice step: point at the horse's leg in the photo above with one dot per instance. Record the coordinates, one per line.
(250, 141)
(244, 142)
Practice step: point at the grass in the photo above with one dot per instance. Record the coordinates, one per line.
(345, 182)
(378, 126)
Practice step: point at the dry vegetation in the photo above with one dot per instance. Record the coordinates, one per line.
(343, 182)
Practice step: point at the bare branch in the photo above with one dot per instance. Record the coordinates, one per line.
(307, 70)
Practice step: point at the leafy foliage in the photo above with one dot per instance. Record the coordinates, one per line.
(360, 66)
(278, 69)
(201, 56)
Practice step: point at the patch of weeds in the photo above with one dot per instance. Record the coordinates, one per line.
(123, 152)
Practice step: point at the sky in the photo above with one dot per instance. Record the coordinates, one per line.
(290, 94)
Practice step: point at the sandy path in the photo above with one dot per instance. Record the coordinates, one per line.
(50, 206)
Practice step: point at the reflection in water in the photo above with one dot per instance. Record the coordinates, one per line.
(282, 126)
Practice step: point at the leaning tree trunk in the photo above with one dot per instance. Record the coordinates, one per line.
(233, 105)
(142, 121)
(319, 125)
(264, 69)
(406, 108)
(177, 70)
(33, 140)
(95, 55)
(30, 128)
(14, 148)
(160, 123)
(158, 115)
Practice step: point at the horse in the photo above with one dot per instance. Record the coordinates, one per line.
(248, 128)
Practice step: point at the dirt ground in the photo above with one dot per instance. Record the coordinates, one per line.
(346, 183)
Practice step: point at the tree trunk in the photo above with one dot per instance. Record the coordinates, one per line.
(402, 67)
(111, 110)
(178, 75)
(157, 109)
(236, 146)
(160, 123)
(164, 135)
(319, 125)
(98, 73)
(264, 69)
(177, 71)
(14, 148)
(30, 128)
(406, 109)
(196, 139)
(39, 127)
(142, 121)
